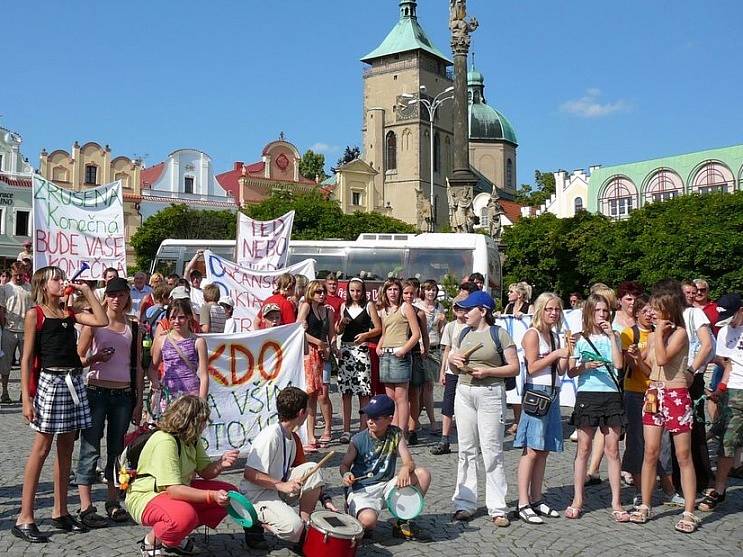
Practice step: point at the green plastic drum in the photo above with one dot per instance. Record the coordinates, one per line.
(241, 510)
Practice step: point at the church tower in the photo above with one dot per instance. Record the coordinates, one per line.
(396, 140)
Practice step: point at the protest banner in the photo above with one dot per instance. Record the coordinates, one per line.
(248, 287)
(71, 227)
(263, 245)
(246, 373)
(516, 327)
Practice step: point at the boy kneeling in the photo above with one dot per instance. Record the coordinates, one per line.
(270, 482)
(368, 467)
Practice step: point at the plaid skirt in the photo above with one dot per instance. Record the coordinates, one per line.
(55, 410)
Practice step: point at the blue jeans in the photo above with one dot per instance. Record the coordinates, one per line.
(112, 409)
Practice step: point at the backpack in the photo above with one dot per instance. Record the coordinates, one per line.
(33, 380)
(128, 460)
(494, 334)
(148, 326)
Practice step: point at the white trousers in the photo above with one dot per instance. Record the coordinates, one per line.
(479, 414)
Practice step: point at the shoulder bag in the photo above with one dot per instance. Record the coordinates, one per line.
(537, 403)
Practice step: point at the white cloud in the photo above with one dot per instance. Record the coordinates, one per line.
(590, 105)
(325, 148)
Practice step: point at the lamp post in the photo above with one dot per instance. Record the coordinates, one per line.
(432, 107)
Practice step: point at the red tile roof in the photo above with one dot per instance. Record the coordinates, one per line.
(255, 172)
(18, 181)
(511, 209)
(150, 175)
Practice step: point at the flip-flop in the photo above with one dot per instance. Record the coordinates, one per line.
(310, 447)
(620, 516)
(324, 442)
(573, 513)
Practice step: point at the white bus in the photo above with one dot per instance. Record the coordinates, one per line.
(373, 257)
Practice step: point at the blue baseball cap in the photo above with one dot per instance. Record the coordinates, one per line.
(477, 299)
(379, 405)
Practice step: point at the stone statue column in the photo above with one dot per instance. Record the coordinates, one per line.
(462, 179)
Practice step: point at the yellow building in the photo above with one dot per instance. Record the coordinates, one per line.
(396, 142)
(91, 165)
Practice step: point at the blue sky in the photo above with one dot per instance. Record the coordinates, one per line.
(583, 82)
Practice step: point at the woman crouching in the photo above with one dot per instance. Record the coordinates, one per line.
(164, 494)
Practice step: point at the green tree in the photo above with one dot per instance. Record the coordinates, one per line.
(535, 195)
(318, 218)
(312, 164)
(180, 221)
(687, 237)
(350, 153)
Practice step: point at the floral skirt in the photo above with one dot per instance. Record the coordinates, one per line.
(354, 370)
(313, 366)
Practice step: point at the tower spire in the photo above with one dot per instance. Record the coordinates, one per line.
(407, 9)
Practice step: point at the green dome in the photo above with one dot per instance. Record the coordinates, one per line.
(486, 123)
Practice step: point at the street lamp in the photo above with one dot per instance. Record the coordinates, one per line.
(431, 106)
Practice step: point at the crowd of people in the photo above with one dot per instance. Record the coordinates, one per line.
(117, 357)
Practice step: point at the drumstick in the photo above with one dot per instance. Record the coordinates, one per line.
(317, 467)
(354, 479)
(569, 340)
(466, 354)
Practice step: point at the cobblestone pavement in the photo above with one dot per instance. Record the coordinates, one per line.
(595, 534)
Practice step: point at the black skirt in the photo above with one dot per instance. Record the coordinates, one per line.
(598, 409)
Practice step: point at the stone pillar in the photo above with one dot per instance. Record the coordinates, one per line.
(462, 180)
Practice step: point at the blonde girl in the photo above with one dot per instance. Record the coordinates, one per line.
(60, 405)
(598, 403)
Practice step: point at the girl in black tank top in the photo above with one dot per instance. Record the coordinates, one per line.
(359, 324)
(55, 402)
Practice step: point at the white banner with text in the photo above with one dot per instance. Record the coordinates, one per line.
(246, 373)
(248, 288)
(263, 245)
(72, 227)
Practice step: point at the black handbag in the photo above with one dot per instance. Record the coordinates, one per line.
(537, 403)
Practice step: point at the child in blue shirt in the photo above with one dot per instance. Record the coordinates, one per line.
(368, 467)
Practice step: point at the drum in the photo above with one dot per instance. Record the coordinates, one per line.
(331, 534)
(241, 510)
(405, 503)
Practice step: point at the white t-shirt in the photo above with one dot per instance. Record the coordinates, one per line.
(16, 299)
(730, 345)
(694, 319)
(544, 375)
(450, 336)
(230, 326)
(137, 297)
(197, 299)
(271, 453)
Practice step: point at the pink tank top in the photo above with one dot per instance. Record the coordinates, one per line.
(117, 368)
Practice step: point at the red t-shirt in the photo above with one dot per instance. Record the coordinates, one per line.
(710, 310)
(334, 302)
(288, 311)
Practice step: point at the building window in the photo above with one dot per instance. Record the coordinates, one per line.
(484, 217)
(123, 177)
(188, 184)
(509, 174)
(578, 204)
(713, 177)
(22, 222)
(1, 162)
(618, 198)
(356, 198)
(436, 152)
(391, 151)
(2, 220)
(663, 185)
(91, 174)
(59, 174)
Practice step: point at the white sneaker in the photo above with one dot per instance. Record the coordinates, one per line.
(574, 436)
(674, 500)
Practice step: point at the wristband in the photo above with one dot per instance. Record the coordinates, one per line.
(722, 387)
(209, 498)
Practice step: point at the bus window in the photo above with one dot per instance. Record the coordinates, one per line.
(375, 263)
(327, 260)
(437, 263)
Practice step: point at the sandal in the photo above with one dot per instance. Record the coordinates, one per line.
(711, 500)
(620, 516)
(527, 514)
(542, 509)
(327, 503)
(324, 441)
(688, 524)
(310, 447)
(149, 550)
(115, 512)
(573, 513)
(90, 518)
(462, 516)
(640, 515)
(501, 521)
(345, 438)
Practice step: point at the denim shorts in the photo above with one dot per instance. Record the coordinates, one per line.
(541, 433)
(393, 369)
(417, 370)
